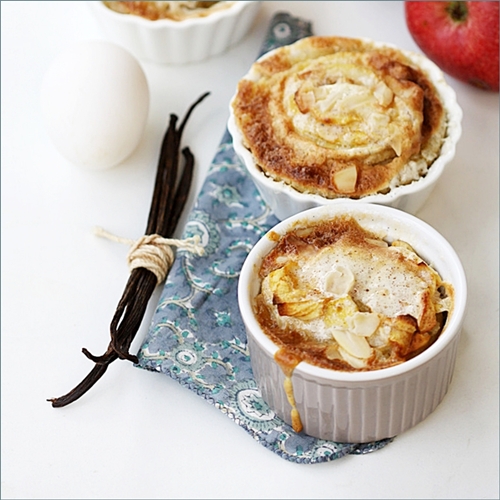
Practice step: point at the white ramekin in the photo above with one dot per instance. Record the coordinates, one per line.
(177, 42)
(360, 406)
(285, 201)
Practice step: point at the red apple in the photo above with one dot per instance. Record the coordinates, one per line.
(460, 37)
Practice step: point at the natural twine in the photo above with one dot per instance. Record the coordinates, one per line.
(153, 252)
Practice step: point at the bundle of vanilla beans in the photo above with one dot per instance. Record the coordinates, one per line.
(169, 198)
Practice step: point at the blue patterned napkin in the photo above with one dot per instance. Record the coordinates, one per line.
(197, 336)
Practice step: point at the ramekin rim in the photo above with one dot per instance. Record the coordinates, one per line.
(230, 11)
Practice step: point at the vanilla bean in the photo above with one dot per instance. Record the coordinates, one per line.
(167, 167)
(182, 191)
(84, 386)
(168, 201)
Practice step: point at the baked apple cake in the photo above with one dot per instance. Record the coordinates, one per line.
(340, 117)
(338, 296)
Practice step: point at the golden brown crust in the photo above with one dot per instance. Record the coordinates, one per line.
(340, 117)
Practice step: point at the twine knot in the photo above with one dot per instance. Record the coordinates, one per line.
(154, 252)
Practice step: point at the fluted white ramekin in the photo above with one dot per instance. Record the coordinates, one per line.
(360, 406)
(285, 201)
(177, 42)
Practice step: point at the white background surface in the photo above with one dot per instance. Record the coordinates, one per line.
(141, 435)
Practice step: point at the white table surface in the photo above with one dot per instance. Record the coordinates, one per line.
(138, 434)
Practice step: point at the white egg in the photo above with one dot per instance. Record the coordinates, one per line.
(95, 101)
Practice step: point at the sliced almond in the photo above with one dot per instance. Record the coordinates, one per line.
(339, 281)
(332, 352)
(363, 323)
(352, 360)
(354, 344)
(345, 180)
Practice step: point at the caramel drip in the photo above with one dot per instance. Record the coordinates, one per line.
(287, 361)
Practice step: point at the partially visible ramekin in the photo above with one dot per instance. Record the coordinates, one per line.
(359, 406)
(177, 42)
(286, 201)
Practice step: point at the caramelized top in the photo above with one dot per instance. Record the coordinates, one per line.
(340, 297)
(340, 117)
